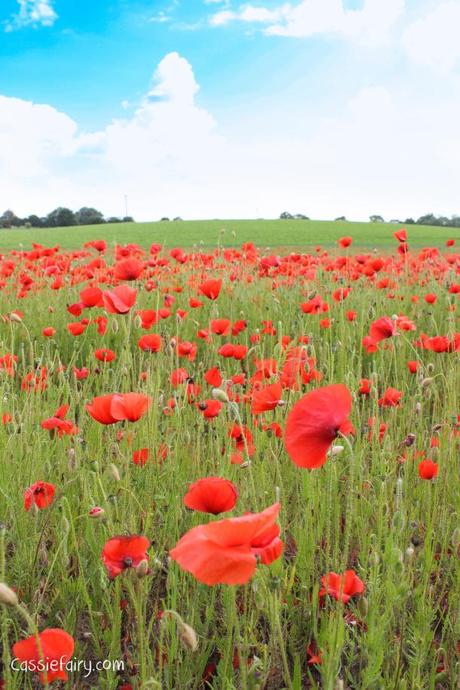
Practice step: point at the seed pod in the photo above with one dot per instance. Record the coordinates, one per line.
(114, 326)
(114, 472)
(7, 595)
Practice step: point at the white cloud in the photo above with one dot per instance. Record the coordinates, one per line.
(433, 40)
(33, 13)
(383, 153)
(312, 17)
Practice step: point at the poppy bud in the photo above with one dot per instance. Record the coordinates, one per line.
(72, 460)
(96, 513)
(398, 521)
(336, 450)
(374, 558)
(427, 382)
(65, 525)
(430, 368)
(187, 636)
(7, 596)
(220, 395)
(142, 568)
(114, 326)
(418, 408)
(339, 684)
(15, 317)
(410, 553)
(363, 606)
(114, 472)
(137, 321)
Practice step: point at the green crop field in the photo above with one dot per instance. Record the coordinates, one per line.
(272, 233)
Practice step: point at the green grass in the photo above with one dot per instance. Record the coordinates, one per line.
(364, 509)
(271, 233)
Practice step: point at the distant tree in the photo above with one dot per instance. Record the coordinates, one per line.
(286, 216)
(9, 219)
(34, 221)
(341, 219)
(128, 219)
(395, 221)
(455, 222)
(409, 221)
(427, 219)
(61, 217)
(177, 218)
(114, 219)
(89, 216)
(164, 220)
(301, 216)
(376, 219)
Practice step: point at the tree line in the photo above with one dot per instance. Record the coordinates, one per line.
(427, 219)
(60, 217)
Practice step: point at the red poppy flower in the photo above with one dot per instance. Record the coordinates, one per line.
(81, 374)
(101, 409)
(382, 328)
(141, 456)
(120, 553)
(76, 328)
(369, 344)
(345, 241)
(104, 355)
(427, 469)
(430, 298)
(341, 587)
(98, 245)
(150, 342)
(40, 494)
(226, 551)
(210, 408)
(220, 326)
(314, 422)
(401, 235)
(211, 288)
(91, 297)
(56, 650)
(130, 406)
(365, 387)
(213, 377)
(390, 398)
(128, 269)
(119, 300)
(413, 365)
(48, 332)
(267, 398)
(211, 495)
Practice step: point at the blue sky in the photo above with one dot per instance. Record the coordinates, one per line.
(230, 109)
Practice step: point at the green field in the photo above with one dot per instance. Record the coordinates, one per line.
(271, 233)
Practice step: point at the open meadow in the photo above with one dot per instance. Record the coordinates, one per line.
(228, 233)
(229, 467)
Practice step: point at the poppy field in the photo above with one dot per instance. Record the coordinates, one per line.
(230, 468)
